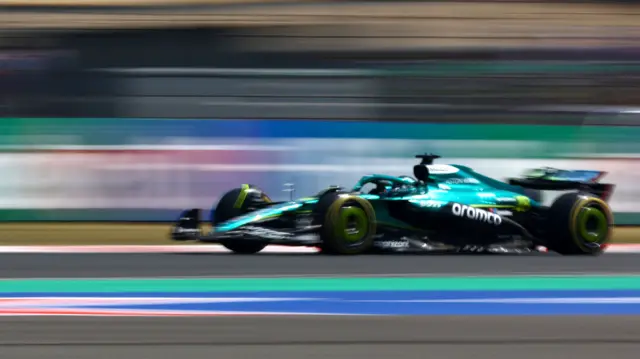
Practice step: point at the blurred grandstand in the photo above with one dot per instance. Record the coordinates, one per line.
(373, 60)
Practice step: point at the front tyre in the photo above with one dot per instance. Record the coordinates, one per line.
(348, 223)
(235, 203)
(579, 224)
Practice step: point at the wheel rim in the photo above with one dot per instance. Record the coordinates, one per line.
(592, 221)
(353, 225)
(592, 225)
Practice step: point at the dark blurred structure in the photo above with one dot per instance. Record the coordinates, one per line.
(453, 61)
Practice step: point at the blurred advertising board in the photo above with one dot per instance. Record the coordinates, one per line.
(147, 170)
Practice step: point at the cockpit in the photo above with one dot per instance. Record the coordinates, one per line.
(388, 187)
(385, 185)
(425, 174)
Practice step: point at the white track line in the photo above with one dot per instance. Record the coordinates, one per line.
(207, 248)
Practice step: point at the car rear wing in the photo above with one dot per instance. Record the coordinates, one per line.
(552, 179)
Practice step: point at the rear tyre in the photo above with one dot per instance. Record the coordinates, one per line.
(348, 223)
(579, 224)
(235, 203)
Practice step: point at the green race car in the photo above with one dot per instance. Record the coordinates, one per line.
(441, 208)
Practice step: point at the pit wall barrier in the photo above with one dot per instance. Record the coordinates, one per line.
(147, 170)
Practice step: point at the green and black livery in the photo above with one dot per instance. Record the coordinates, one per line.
(441, 208)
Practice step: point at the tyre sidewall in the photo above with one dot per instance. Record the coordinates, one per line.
(330, 212)
(234, 203)
(567, 224)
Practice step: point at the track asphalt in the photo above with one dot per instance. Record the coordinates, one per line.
(526, 337)
(323, 337)
(287, 265)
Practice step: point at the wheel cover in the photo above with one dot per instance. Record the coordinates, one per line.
(352, 224)
(592, 221)
(592, 224)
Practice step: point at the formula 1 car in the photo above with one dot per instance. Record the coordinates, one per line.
(443, 208)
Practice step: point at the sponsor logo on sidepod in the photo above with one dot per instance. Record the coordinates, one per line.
(476, 214)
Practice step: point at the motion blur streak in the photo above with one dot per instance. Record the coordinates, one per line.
(122, 110)
(141, 166)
